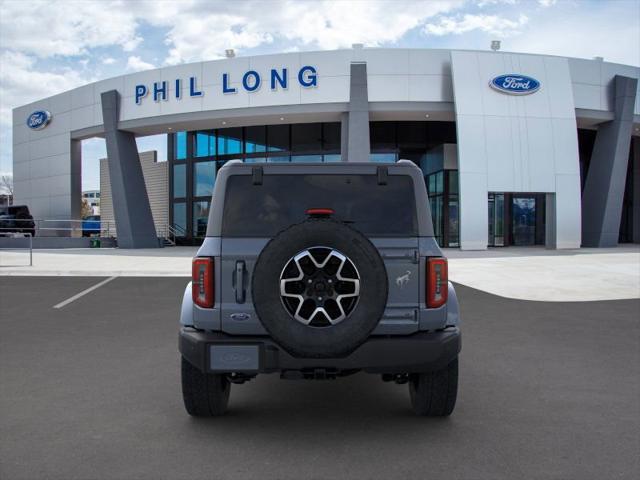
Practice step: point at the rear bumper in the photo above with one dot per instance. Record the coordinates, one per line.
(219, 352)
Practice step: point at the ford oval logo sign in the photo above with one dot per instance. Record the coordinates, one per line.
(515, 84)
(38, 120)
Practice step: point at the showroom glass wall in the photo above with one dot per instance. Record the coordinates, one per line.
(195, 157)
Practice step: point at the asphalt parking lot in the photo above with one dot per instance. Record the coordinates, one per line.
(91, 391)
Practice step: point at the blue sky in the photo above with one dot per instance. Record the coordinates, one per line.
(47, 47)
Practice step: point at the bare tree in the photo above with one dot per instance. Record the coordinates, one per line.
(6, 184)
(86, 209)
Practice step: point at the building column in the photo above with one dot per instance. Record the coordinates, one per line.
(131, 209)
(604, 187)
(635, 205)
(357, 141)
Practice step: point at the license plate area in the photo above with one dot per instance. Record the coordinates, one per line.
(234, 358)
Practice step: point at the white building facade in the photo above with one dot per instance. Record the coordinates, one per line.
(515, 148)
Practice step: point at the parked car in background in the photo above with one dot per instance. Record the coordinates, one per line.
(91, 225)
(17, 219)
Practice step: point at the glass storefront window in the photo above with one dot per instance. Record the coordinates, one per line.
(180, 216)
(230, 141)
(179, 180)
(383, 157)
(453, 182)
(383, 135)
(436, 217)
(205, 144)
(204, 176)
(283, 159)
(454, 228)
(278, 138)
(198, 155)
(200, 218)
(306, 137)
(331, 136)
(306, 158)
(255, 139)
(180, 144)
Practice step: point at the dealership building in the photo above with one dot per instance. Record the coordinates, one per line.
(516, 149)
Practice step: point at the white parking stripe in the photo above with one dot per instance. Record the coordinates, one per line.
(84, 292)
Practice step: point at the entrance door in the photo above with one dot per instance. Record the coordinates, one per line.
(496, 219)
(523, 214)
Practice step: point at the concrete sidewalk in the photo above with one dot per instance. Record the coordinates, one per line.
(522, 273)
(155, 262)
(550, 275)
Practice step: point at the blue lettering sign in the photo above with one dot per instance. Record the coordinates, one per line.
(141, 92)
(251, 86)
(159, 90)
(307, 76)
(192, 88)
(275, 77)
(251, 82)
(225, 84)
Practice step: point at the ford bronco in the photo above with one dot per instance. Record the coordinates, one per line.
(318, 271)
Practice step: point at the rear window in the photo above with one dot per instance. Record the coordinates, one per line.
(282, 200)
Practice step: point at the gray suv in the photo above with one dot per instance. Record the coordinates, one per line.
(318, 271)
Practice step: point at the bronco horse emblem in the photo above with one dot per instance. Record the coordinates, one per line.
(402, 280)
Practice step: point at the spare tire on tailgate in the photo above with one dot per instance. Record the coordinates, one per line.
(319, 288)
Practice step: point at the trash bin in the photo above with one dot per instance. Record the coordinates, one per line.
(94, 243)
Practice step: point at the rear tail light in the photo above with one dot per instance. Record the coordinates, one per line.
(437, 282)
(320, 212)
(202, 286)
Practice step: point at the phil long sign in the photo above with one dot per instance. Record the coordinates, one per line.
(251, 81)
(515, 84)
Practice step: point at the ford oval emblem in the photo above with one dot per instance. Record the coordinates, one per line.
(515, 84)
(38, 120)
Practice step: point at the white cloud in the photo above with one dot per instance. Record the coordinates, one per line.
(584, 34)
(22, 83)
(547, 3)
(108, 61)
(135, 64)
(203, 30)
(46, 29)
(491, 24)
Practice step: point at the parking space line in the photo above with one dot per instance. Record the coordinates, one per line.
(84, 292)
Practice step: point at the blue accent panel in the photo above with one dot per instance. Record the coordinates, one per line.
(192, 88)
(141, 92)
(275, 77)
(159, 90)
(308, 76)
(251, 86)
(178, 88)
(225, 84)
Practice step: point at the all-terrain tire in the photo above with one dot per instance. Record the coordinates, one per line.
(308, 341)
(433, 394)
(204, 394)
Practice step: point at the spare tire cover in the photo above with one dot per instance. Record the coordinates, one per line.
(319, 288)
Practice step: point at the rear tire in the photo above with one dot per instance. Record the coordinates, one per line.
(204, 394)
(433, 394)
